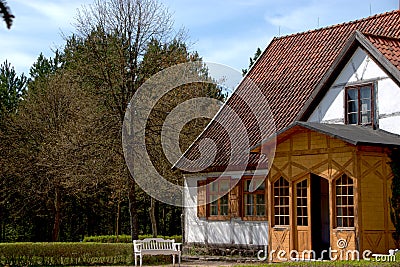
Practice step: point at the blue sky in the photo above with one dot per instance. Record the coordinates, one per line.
(222, 31)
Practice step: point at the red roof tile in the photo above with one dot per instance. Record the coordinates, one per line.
(388, 46)
(287, 73)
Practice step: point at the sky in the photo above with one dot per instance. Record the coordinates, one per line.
(226, 32)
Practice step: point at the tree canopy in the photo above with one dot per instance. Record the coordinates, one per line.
(64, 174)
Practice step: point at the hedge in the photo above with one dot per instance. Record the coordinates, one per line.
(94, 250)
(124, 238)
(50, 254)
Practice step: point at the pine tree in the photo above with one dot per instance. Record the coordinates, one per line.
(257, 54)
(6, 13)
(12, 89)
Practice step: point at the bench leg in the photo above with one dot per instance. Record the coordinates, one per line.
(135, 259)
(141, 260)
(173, 259)
(179, 259)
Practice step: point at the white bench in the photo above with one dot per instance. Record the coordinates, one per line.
(156, 246)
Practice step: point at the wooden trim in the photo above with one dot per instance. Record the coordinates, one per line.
(291, 216)
(386, 202)
(234, 198)
(218, 218)
(332, 206)
(317, 151)
(270, 213)
(358, 208)
(202, 199)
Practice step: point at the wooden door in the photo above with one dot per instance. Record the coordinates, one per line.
(303, 219)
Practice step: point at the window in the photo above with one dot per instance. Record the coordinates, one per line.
(344, 202)
(301, 201)
(360, 105)
(218, 197)
(254, 198)
(281, 202)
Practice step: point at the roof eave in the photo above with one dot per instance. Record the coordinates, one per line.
(258, 148)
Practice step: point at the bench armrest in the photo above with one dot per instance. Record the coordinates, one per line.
(137, 247)
(177, 246)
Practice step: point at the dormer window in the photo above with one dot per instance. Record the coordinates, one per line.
(360, 104)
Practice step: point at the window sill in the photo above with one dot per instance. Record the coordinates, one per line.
(254, 218)
(219, 218)
(339, 229)
(281, 227)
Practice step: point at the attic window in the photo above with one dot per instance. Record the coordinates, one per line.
(360, 104)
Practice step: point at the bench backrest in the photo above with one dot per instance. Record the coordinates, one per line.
(156, 244)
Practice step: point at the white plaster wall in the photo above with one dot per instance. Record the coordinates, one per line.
(235, 231)
(361, 68)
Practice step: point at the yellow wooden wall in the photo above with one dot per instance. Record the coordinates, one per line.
(301, 152)
(375, 181)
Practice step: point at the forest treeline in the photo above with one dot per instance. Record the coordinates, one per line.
(63, 174)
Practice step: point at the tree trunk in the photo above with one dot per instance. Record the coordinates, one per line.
(133, 208)
(57, 215)
(163, 220)
(117, 227)
(153, 216)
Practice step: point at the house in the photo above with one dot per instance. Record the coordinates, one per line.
(325, 183)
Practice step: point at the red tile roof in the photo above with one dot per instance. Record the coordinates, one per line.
(388, 46)
(287, 73)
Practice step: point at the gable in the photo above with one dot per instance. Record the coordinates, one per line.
(362, 68)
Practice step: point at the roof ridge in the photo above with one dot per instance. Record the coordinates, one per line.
(338, 25)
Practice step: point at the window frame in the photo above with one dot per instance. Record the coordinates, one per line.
(358, 87)
(284, 207)
(219, 216)
(348, 207)
(302, 194)
(254, 194)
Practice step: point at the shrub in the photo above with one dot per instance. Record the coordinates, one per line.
(124, 238)
(108, 239)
